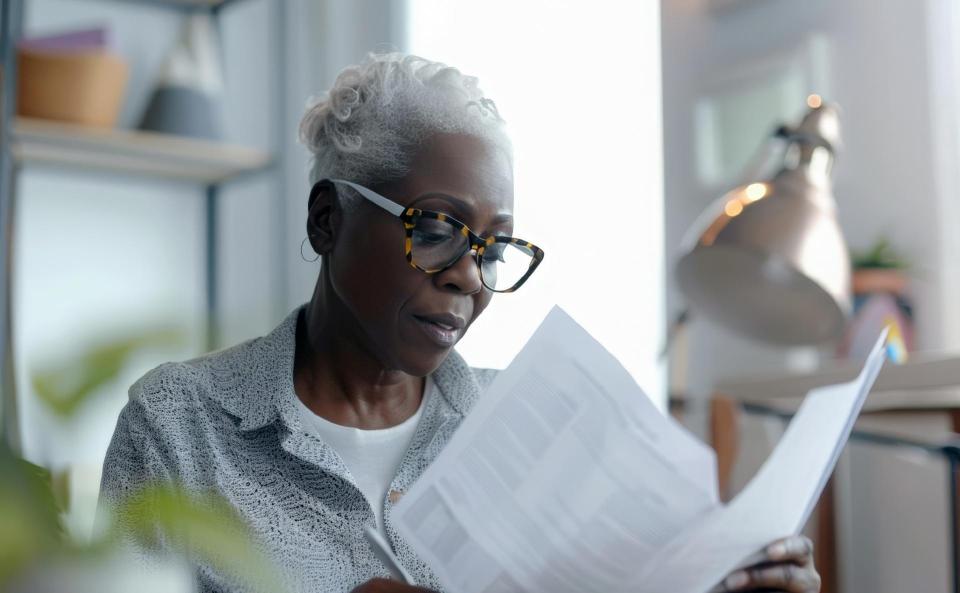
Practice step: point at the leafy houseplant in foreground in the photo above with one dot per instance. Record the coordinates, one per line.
(37, 554)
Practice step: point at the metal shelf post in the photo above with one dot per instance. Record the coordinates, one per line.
(11, 20)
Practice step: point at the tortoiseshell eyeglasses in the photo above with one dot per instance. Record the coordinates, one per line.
(436, 241)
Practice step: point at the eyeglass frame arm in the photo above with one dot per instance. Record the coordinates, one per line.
(388, 205)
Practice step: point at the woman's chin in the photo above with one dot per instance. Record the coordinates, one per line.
(423, 365)
(422, 350)
(418, 359)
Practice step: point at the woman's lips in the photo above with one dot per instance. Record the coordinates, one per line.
(442, 333)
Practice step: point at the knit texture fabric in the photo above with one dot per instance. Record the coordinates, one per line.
(226, 422)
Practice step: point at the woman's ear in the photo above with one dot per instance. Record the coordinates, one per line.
(323, 217)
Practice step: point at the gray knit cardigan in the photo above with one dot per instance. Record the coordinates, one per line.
(227, 422)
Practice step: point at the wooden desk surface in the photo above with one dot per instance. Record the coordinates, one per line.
(925, 383)
(919, 400)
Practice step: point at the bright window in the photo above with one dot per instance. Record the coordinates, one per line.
(579, 86)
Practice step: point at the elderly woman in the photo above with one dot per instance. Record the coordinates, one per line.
(315, 430)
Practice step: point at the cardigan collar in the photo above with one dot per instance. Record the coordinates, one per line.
(263, 390)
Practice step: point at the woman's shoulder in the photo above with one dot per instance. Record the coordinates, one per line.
(186, 379)
(226, 373)
(175, 400)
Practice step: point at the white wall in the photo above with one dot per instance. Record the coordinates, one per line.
(253, 209)
(943, 52)
(579, 87)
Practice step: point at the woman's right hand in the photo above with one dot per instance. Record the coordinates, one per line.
(388, 586)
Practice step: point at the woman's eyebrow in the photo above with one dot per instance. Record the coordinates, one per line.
(458, 203)
(462, 205)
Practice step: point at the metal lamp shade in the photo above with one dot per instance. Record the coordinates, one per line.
(768, 260)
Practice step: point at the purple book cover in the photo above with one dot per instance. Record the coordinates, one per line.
(80, 40)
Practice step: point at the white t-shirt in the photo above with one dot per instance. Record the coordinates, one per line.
(372, 456)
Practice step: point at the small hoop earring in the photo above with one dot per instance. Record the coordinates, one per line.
(303, 257)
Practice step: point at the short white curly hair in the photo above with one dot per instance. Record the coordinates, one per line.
(368, 127)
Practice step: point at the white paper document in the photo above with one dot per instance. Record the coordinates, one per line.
(566, 478)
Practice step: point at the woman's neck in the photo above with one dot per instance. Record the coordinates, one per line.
(339, 379)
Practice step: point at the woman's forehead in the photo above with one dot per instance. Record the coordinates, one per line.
(472, 172)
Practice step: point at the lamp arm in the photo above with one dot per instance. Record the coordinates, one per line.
(673, 329)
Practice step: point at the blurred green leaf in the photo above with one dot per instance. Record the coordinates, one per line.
(30, 525)
(205, 527)
(67, 386)
(880, 256)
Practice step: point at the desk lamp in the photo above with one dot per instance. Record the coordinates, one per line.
(768, 259)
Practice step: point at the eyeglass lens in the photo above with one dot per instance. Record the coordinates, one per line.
(437, 244)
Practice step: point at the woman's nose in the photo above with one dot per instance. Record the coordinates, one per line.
(463, 276)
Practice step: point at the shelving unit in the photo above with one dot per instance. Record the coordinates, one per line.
(29, 142)
(131, 152)
(188, 3)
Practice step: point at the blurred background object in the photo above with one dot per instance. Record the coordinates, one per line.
(38, 555)
(71, 77)
(881, 299)
(768, 259)
(187, 97)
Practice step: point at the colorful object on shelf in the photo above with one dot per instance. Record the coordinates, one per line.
(896, 346)
(874, 312)
(92, 39)
(187, 98)
(70, 77)
(880, 286)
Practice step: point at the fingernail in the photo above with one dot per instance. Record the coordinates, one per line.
(777, 551)
(737, 580)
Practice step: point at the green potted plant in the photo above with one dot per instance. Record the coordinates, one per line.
(879, 269)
